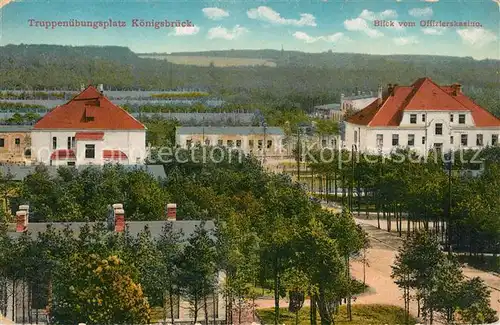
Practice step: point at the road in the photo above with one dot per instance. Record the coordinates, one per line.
(381, 256)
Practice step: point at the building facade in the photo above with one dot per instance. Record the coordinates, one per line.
(258, 141)
(356, 102)
(421, 117)
(15, 141)
(89, 129)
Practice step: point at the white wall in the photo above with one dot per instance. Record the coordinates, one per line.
(367, 136)
(132, 143)
(276, 149)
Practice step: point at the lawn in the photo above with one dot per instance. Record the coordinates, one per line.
(361, 314)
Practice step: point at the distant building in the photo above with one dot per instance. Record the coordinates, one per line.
(15, 141)
(356, 102)
(421, 117)
(259, 141)
(89, 129)
(328, 112)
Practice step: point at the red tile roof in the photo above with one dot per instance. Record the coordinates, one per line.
(113, 154)
(89, 110)
(422, 95)
(89, 135)
(62, 154)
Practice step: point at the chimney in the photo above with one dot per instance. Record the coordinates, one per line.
(171, 211)
(457, 89)
(21, 221)
(379, 96)
(390, 88)
(82, 87)
(119, 220)
(101, 88)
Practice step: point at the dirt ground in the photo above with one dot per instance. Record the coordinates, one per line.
(380, 257)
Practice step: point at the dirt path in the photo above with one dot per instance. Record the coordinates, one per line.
(382, 254)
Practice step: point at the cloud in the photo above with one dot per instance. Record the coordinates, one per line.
(5, 2)
(433, 31)
(215, 13)
(185, 31)
(370, 15)
(267, 14)
(477, 36)
(333, 38)
(227, 34)
(401, 41)
(421, 12)
(432, 0)
(360, 25)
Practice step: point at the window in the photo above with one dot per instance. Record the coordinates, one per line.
(380, 140)
(323, 143)
(73, 142)
(220, 143)
(230, 143)
(71, 163)
(250, 143)
(238, 143)
(451, 139)
(90, 151)
(207, 142)
(438, 147)
(451, 118)
(423, 140)
(479, 140)
(69, 142)
(494, 139)
(259, 144)
(54, 143)
(423, 117)
(413, 118)
(461, 118)
(439, 129)
(355, 136)
(269, 144)
(17, 142)
(463, 139)
(188, 143)
(2, 142)
(411, 140)
(395, 139)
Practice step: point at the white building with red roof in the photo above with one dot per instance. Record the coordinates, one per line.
(421, 117)
(89, 129)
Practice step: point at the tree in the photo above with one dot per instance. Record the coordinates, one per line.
(198, 272)
(94, 290)
(169, 249)
(474, 301)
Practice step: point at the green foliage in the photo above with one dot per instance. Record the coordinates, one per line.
(94, 290)
(439, 282)
(84, 194)
(362, 314)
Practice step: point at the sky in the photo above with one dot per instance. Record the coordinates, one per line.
(300, 25)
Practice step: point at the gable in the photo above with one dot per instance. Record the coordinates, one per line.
(89, 110)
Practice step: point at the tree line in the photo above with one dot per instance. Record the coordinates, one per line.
(320, 78)
(93, 276)
(269, 233)
(418, 193)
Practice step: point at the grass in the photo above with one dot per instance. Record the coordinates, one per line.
(361, 315)
(205, 61)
